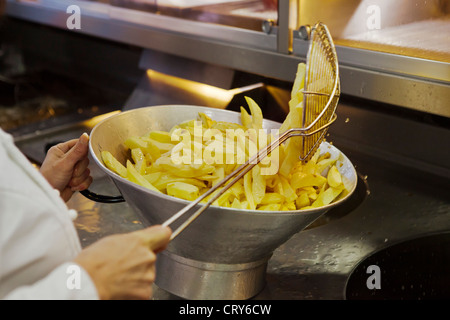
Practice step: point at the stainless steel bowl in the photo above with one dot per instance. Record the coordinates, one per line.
(224, 252)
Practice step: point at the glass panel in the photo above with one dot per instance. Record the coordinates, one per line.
(248, 14)
(418, 28)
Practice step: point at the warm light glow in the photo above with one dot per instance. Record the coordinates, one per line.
(189, 85)
(90, 123)
(221, 95)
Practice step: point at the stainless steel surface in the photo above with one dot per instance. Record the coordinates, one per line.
(316, 263)
(184, 277)
(187, 69)
(401, 195)
(251, 38)
(247, 14)
(283, 42)
(387, 78)
(255, 234)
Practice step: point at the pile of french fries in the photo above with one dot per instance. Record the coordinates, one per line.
(193, 156)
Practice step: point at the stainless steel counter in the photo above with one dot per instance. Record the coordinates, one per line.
(394, 202)
(315, 263)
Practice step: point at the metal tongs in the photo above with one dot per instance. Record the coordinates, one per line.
(321, 94)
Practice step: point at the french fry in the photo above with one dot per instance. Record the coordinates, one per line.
(113, 164)
(272, 197)
(258, 185)
(255, 110)
(183, 190)
(302, 200)
(139, 159)
(135, 142)
(236, 204)
(206, 121)
(301, 179)
(327, 196)
(183, 170)
(246, 119)
(270, 207)
(134, 176)
(248, 191)
(161, 136)
(334, 178)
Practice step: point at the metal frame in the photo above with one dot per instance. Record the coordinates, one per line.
(418, 84)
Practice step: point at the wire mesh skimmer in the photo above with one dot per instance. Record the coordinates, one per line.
(320, 98)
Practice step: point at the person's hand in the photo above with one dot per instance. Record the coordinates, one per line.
(123, 266)
(66, 166)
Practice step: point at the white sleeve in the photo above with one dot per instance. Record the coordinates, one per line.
(38, 240)
(69, 281)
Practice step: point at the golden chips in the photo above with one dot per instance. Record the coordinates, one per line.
(193, 156)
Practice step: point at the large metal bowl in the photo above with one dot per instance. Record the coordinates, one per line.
(222, 242)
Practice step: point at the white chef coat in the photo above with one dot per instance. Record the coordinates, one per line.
(37, 237)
